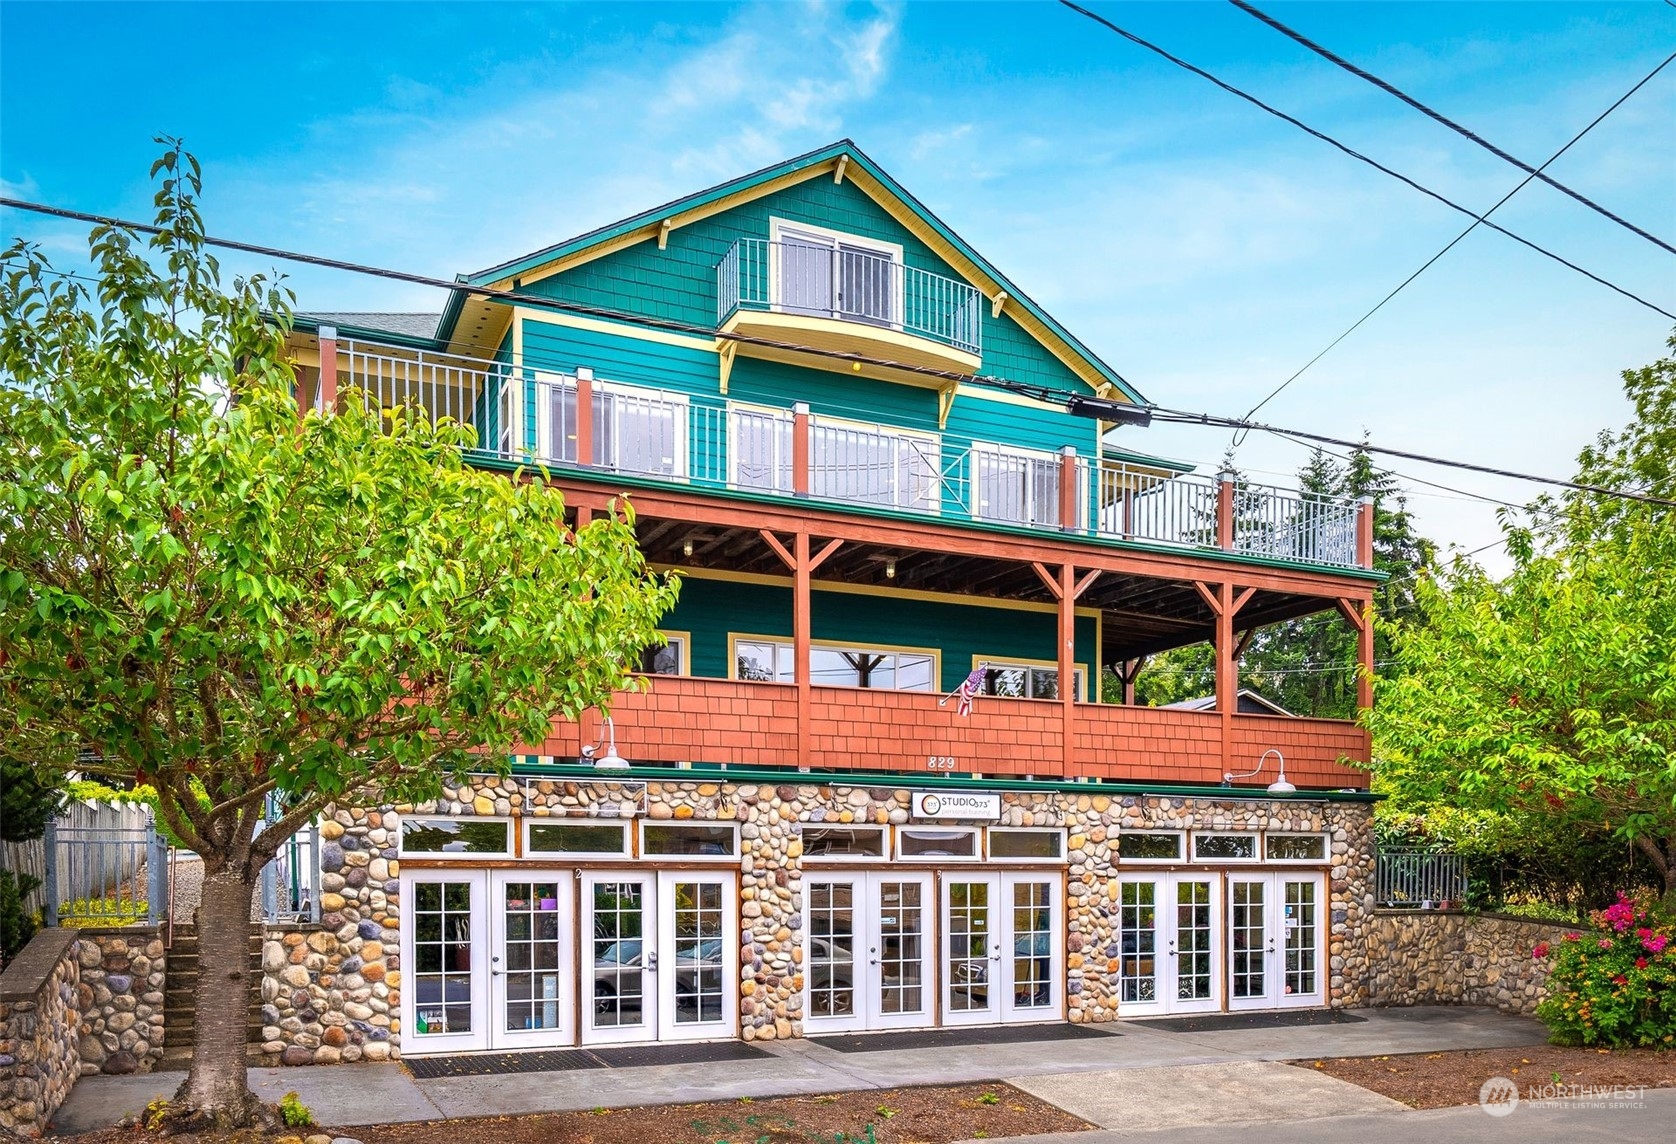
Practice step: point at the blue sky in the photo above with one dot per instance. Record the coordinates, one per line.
(1202, 248)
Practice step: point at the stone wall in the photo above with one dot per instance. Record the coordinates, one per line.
(120, 1000)
(1448, 957)
(38, 1022)
(332, 992)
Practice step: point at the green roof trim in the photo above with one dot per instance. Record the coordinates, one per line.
(842, 148)
(1151, 460)
(782, 776)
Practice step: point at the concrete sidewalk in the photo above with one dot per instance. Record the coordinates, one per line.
(347, 1095)
(1550, 1122)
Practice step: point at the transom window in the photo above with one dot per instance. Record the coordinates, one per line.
(691, 840)
(833, 665)
(1224, 847)
(450, 837)
(576, 837)
(1027, 680)
(924, 842)
(1015, 844)
(1150, 846)
(843, 842)
(1295, 847)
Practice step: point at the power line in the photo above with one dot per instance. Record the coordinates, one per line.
(1039, 392)
(1392, 89)
(1452, 242)
(1355, 154)
(1185, 418)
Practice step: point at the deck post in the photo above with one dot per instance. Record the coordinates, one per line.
(1067, 646)
(584, 415)
(326, 389)
(800, 627)
(1364, 532)
(1225, 510)
(1227, 673)
(800, 449)
(1068, 489)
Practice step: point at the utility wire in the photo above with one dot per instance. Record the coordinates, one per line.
(1275, 392)
(1039, 392)
(1391, 89)
(1182, 417)
(1354, 154)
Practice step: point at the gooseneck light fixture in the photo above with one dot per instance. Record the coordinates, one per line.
(611, 760)
(1279, 786)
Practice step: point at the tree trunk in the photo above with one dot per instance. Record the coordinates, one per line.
(216, 1087)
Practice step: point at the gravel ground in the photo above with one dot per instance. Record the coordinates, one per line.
(188, 874)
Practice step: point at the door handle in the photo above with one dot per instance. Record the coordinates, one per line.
(652, 962)
(493, 972)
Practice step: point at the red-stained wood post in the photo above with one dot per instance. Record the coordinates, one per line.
(1225, 510)
(1067, 590)
(800, 449)
(1364, 532)
(299, 387)
(802, 566)
(584, 415)
(326, 390)
(1068, 489)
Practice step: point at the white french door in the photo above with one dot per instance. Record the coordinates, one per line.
(1167, 944)
(1274, 940)
(1003, 951)
(868, 951)
(662, 957)
(532, 959)
(445, 997)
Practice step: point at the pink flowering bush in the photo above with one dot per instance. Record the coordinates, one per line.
(1617, 990)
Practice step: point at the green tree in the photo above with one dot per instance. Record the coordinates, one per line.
(29, 799)
(210, 594)
(1551, 694)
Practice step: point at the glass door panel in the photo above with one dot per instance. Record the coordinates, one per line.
(901, 912)
(1250, 943)
(972, 951)
(1137, 933)
(831, 962)
(805, 278)
(1301, 939)
(1169, 945)
(1032, 944)
(533, 961)
(444, 999)
(619, 957)
(866, 286)
(1193, 950)
(697, 984)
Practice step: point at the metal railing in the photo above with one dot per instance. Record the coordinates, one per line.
(443, 386)
(1294, 526)
(1419, 879)
(854, 285)
(106, 875)
(528, 415)
(290, 884)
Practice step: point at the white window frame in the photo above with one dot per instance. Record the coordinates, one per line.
(882, 832)
(647, 824)
(1256, 847)
(780, 228)
(1079, 673)
(1061, 860)
(547, 380)
(1018, 451)
(475, 856)
(977, 844)
(1326, 847)
(562, 856)
(783, 647)
(1128, 859)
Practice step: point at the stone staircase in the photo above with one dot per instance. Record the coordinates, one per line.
(179, 1020)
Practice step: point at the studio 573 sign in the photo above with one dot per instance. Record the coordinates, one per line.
(968, 806)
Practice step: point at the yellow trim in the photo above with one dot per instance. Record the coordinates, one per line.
(935, 654)
(619, 329)
(869, 590)
(1015, 661)
(664, 228)
(649, 230)
(848, 337)
(727, 352)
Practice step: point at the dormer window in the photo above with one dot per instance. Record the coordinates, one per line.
(829, 274)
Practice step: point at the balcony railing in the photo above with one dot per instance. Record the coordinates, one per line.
(709, 442)
(850, 285)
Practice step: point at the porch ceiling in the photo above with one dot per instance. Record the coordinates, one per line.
(1140, 615)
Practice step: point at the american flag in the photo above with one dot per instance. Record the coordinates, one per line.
(970, 688)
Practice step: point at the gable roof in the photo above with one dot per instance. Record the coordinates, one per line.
(847, 157)
(1246, 697)
(408, 325)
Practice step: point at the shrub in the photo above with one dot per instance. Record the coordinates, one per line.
(294, 1112)
(17, 924)
(1616, 986)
